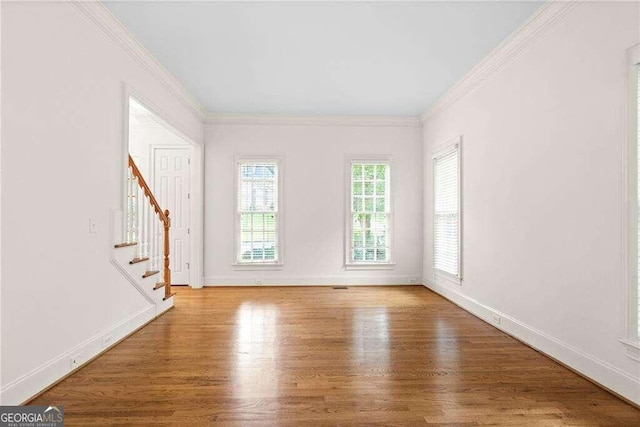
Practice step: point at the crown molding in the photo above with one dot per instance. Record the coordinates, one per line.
(101, 17)
(547, 16)
(280, 120)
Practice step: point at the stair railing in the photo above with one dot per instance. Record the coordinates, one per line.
(147, 224)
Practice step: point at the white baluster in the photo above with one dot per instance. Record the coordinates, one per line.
(158, 243)
(144, 232)
(154, 242)
(129, 208)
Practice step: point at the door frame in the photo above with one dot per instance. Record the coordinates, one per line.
(196, 154)
(192, 177)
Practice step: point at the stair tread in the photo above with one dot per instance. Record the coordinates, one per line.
(159, 285)
(137, 260)
(169, 296)
(150, 273)
(124, 245)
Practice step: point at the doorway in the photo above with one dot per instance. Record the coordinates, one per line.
(164, 157)
(171, 184)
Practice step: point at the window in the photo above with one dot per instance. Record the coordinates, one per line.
(258, 212)
(636, 132)
(633, 324)
(446, 210)
(369, 230)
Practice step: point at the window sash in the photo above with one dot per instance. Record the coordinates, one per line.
(257, 212)
(446, 211)
(636, 104)
(370, 212)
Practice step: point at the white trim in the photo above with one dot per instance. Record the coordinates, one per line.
(312, 280)
(633, 55)
(439, 275)
(319, 120)
(102, 18)
(632, 349)
(258, 266)
(371, 266)
(279, 159)
(629, 168)
(368, 158)
(33, 382)
(549, 15)
(440, 150)
(196, 154)
(599, 371)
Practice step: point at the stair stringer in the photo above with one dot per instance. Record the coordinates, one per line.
(120, 258)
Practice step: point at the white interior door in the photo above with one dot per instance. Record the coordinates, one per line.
(171, 187)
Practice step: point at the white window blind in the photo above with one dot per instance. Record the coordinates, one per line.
(446, 215)
(370, 213)
(257, 212)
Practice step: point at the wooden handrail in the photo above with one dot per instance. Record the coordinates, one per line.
(147, 191)
(164, 217)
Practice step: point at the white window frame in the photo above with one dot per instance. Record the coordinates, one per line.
(349, 264)
(438, 152)
(631, 332)
(279, 262)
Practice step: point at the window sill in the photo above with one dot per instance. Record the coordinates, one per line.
(254, 266)
(633, 348)
(437, 274)
(370, 266)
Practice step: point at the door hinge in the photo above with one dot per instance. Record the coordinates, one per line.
(188, 231)
(188, 266)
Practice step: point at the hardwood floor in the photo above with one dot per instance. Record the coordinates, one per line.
(319, 356)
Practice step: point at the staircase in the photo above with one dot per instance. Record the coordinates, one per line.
(142, 253)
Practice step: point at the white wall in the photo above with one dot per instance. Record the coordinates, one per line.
(314, 198)
(142, 138)
(62, 113)
(543, 193)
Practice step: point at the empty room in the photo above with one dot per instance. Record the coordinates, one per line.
(319, 213)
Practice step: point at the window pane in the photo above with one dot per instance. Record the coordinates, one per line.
(369, 171)
(380, 204)
(369, 255)
(368, 188)
(369, 239)
(358, 240)
(368, 204)
(380, 188)
(356, 172)
(357, 188)
(357, 204)
(381, 172)
(358, 255)
(270, 222)
(258, 222)
(381, 254)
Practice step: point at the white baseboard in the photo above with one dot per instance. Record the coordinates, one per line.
(312, 281)
(600, 372)
(27, 386)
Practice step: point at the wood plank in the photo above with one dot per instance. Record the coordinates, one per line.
(124, 245)
(317, 356)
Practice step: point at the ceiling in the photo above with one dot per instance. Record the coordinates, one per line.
(318, 58)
